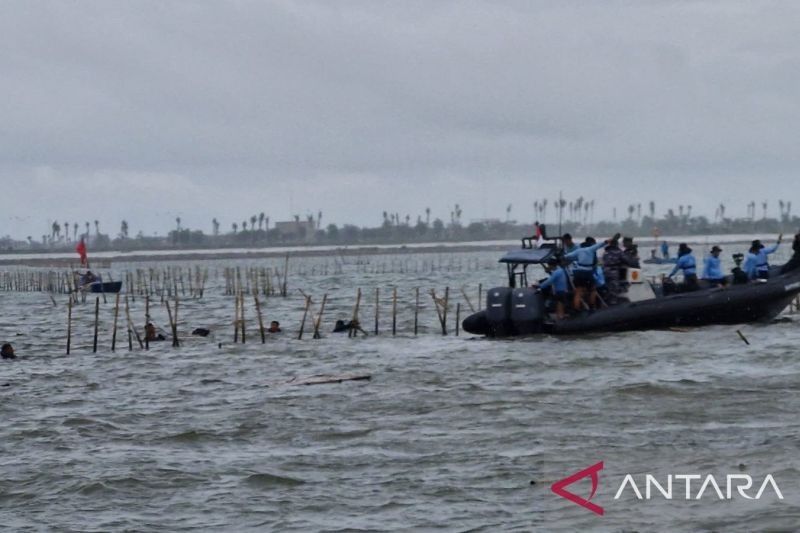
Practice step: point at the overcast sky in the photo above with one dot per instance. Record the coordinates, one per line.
(148, 111)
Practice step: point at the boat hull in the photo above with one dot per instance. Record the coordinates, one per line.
(104, 287)
(737, 304)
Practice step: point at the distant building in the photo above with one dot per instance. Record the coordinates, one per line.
(303, 230)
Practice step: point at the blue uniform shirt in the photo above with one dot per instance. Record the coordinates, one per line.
(712, 268)
(686, 263)
(585, 256)
(758, 261)
(558, 279)
(599, 277)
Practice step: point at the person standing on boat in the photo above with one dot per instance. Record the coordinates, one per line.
(557, 283)
(756, 265)
(631, 252)
(712, 268)
(794, 262)
(615, 263)
(568, 244)
(585, 259)
(664, 250)
(688, 265)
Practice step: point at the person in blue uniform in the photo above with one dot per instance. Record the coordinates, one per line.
(688, 265)
(557, 283)
(756, 264)
(664, 250)
(585, 259)
(568, 244)
(712, 268)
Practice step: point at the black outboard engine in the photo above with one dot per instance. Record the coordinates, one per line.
(498, 312)
(527, 310)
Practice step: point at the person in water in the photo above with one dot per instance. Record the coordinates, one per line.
(274, 327)
(756, 265)
(585, 259)
(7, 351)
(688, 265)
(151, 334)
(794, 261)
(712, 268)
(557, 283)
(664, 249)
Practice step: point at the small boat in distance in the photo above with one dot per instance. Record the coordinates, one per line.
(110, 287)
(90, 282)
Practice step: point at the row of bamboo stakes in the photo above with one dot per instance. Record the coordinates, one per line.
(166, 282)
(313, 316)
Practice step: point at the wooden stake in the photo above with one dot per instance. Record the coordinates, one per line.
(458, 317)
(114, 330)
(305, 314)
(236, 319)
(469, 303)
(131, 325)
(96, 322)
(285, 277)
(394, 311)
(319, 316)
(260, 321)
(353, 330)
(377, 308)
(69, 324)
(416, 311)
(444, 311)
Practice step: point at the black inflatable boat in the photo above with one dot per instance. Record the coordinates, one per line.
(521, 310)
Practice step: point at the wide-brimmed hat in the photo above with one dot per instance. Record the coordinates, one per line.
(684, 249)
(715, 248)
(756, 245)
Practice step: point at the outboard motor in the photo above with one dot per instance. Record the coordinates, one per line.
(498, 312)
(527, 310)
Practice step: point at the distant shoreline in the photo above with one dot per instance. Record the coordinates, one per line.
(102, 259)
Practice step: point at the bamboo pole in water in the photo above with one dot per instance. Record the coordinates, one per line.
(131, 325)
(416, 311)
(394, 311)
(260, 320)
(377, 308)
(444, 311)
(146, 321)
(354, 325)
(319, 316)
(69, 324)
(96, 322)
(458, 316)
(114, 329)
(284, 287)
(236, 318)
(241, 314)
(305, 314)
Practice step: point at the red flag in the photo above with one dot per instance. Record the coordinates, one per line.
(81, 249)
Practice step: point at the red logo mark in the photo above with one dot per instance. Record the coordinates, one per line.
(558, 487)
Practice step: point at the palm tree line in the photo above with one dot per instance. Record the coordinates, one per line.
(577, 214)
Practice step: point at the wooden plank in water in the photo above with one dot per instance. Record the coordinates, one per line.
(324, 379)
